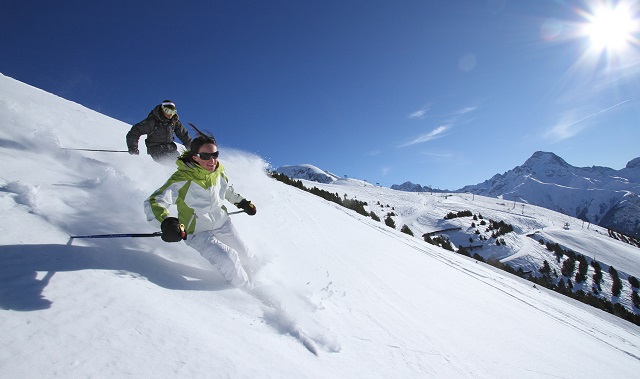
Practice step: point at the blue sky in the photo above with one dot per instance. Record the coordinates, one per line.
(441, 93)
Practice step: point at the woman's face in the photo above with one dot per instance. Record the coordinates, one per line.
(209, 151)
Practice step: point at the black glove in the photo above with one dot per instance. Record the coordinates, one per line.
(172, 230)
(134, 151)
(247, 206)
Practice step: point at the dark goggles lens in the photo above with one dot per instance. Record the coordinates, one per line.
(207, 156)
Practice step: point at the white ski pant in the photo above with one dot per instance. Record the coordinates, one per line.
(226, 252)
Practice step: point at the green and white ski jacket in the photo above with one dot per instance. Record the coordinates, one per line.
(198, 195)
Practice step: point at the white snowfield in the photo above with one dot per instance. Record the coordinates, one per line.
(371, 302)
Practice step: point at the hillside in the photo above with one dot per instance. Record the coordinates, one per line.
(425, 213)
(373, 302)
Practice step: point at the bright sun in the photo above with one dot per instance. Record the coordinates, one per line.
(611, 29)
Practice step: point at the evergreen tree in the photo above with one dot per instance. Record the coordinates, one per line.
(597, 276)
(568, 266)
(546, 269)
(561, 286)
(389, 222)
(558, 251)
(616, 287)
(447, 245)
(405, 229)
(583, 268)
(634, 282)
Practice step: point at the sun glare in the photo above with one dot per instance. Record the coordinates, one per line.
(611, 28)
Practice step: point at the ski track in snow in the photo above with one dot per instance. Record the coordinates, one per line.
(284, 311)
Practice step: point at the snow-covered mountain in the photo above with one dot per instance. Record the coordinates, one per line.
(411, 187)
(369, 300)
(307, 172)
(601, 195)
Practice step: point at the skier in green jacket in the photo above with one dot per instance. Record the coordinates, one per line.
(160, 126)
(199, 188)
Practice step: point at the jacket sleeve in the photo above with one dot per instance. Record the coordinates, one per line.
(230, 194)
(143, 127)
(156, 207)
(183, 134)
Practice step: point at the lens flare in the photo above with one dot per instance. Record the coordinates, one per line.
(611, 28)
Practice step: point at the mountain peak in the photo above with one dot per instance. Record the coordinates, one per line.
(545, 158)
(408, 187)
(307, 172)
(634, 163)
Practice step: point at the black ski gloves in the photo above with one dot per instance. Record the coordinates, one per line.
(134, 151)
(172, 230)
(247, 206)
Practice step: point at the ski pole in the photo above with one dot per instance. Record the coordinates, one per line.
(103, 150)
(156, 234)
(235, 213)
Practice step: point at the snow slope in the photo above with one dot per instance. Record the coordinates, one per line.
(424, 213)
(371, 301)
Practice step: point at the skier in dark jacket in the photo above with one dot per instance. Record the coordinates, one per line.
(160, 126)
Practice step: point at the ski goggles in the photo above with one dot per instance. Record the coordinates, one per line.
(207, 156)
(171, 111)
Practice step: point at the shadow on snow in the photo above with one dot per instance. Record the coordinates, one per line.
(21, 290)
